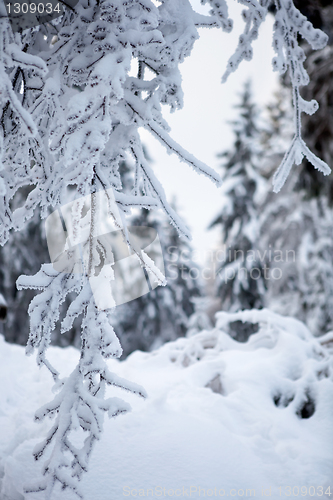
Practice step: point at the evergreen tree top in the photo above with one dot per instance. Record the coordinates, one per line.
(242, 183)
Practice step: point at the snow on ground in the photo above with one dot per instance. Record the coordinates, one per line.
(222, 418)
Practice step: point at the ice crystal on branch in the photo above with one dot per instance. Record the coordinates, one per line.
(253, 17)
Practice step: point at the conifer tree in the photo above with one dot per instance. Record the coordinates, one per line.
(241, 277)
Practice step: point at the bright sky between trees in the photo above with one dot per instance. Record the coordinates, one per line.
(202, 126)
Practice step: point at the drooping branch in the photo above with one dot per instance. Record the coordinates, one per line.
(288, 25)
(289, 22)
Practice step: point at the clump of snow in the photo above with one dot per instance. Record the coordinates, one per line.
(220, 416)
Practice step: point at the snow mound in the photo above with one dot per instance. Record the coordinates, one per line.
(221, 416)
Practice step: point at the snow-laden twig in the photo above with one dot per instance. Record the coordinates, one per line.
(288, 25)
(294, 156)
(80, 403)
(253, 17)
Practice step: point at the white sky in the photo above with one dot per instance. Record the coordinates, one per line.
(202, 127)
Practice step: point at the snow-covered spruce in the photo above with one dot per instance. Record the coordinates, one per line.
(296, 245)
(240, 277)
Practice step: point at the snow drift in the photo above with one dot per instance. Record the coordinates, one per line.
(222, 418)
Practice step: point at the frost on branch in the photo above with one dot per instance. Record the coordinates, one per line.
(17, 127)
(68, 85)
(219, 15)
(80, 403)
(253, 16)
(289, 24)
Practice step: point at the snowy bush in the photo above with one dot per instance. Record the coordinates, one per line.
(71, 112)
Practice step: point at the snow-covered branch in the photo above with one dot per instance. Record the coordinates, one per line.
(289, 24)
